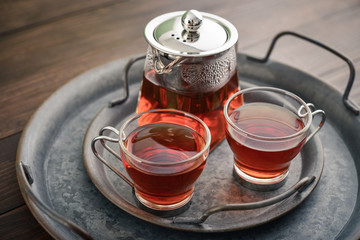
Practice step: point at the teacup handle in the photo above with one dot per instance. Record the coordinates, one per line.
(103, 138)
(313, 114)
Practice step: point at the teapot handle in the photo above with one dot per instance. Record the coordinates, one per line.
(159, 66)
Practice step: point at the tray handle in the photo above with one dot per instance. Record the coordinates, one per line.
(347, 102)
(300, 186)
(25, 182)
(124, 79)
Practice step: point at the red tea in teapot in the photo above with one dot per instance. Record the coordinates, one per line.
(207, 106)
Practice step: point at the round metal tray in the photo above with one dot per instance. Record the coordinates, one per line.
(56, 186)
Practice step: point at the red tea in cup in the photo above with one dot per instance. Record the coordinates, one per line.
(266, 129)
(262, 159)
(168, 144)
(163, 152)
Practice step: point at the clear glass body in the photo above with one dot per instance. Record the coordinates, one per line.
(266, 129)
(198, 85)
(164, 152)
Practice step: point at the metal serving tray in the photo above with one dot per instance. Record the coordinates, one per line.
(57, 181)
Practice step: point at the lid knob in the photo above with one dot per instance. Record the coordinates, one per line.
(191, 20)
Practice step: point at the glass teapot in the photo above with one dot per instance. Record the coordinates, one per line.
(190, 66)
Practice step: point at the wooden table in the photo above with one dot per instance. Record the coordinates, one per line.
(44, 44)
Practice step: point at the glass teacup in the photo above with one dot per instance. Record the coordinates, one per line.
(163, 152)
(266, 128)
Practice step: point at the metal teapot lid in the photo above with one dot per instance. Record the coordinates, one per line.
(190, 34)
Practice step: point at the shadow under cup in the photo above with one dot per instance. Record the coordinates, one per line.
(163, 152)
(266, 128)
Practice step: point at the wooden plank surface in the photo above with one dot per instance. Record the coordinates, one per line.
(21, 14)
(72, 45)
(9, 191)
(45, 44)
(19, 224)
